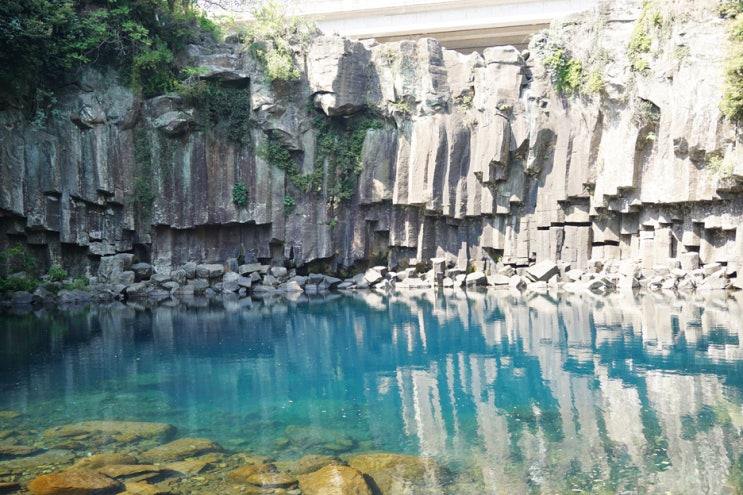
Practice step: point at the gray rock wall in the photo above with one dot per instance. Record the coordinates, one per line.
(479, 158)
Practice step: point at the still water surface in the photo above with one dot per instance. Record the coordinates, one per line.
(543, 393)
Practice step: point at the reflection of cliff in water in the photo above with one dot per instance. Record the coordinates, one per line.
(617, 392)
(558, 392)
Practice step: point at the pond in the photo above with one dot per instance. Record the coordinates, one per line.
(505, 392)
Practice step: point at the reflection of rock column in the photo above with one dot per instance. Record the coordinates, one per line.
(694, 422)
(421, 409)
(621, 406)
(492, 430)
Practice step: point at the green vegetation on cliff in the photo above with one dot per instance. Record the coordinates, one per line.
(646, 30)
(274, 38)
(43, 43)
(732, 98)
(339, 143)
(570, 74)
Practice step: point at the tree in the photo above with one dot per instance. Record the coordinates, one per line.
(42, 42)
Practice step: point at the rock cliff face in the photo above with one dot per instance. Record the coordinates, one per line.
(472, 158)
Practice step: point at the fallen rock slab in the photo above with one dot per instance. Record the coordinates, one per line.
(542, 271)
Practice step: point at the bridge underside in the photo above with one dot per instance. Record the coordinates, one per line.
(468, 40)
(463, 25)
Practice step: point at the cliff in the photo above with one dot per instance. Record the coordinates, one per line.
(476, 158)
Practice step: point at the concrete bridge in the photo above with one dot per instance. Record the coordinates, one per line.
(463, 25)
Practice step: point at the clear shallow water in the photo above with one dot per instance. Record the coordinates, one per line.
(510, 393)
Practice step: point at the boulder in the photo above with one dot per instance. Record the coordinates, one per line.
(292, 286)
(334, 480)
(711, 268)
(127, 278)
(476, 279)
(689, 261)
(516, 282)
(110, 267)
(22, 297)
(160, 278)
(543, 270)
(498, 280)
(142, 271)
(78, 482)
(279, 272)
(180, 276)
(332, 282)
(209, 271)
(197, 286)
(372, 276)
(138, 289)
(249, 268)
(713, 283)
(231, 282)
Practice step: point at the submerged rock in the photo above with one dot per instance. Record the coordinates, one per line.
(396, 473)
(9, 450)
(52, 457)
(135, 472)
(242, 474)
(99, 460)
(308, 464)
(79, 482)
(272, 480)
(309, 438)
(123, 431)
(180, 449)
(335, 480)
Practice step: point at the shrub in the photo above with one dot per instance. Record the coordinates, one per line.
(569, 75)
(289, 205)
(240, 194)
(56, 273)
(219, 107)
(44, 41)
(16, 259)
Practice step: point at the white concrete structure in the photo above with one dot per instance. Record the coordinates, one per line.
(463, 25)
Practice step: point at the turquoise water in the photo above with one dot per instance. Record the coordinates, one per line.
(542, 393)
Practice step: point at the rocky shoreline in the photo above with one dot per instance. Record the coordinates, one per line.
(120, 277)
(143, 458)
